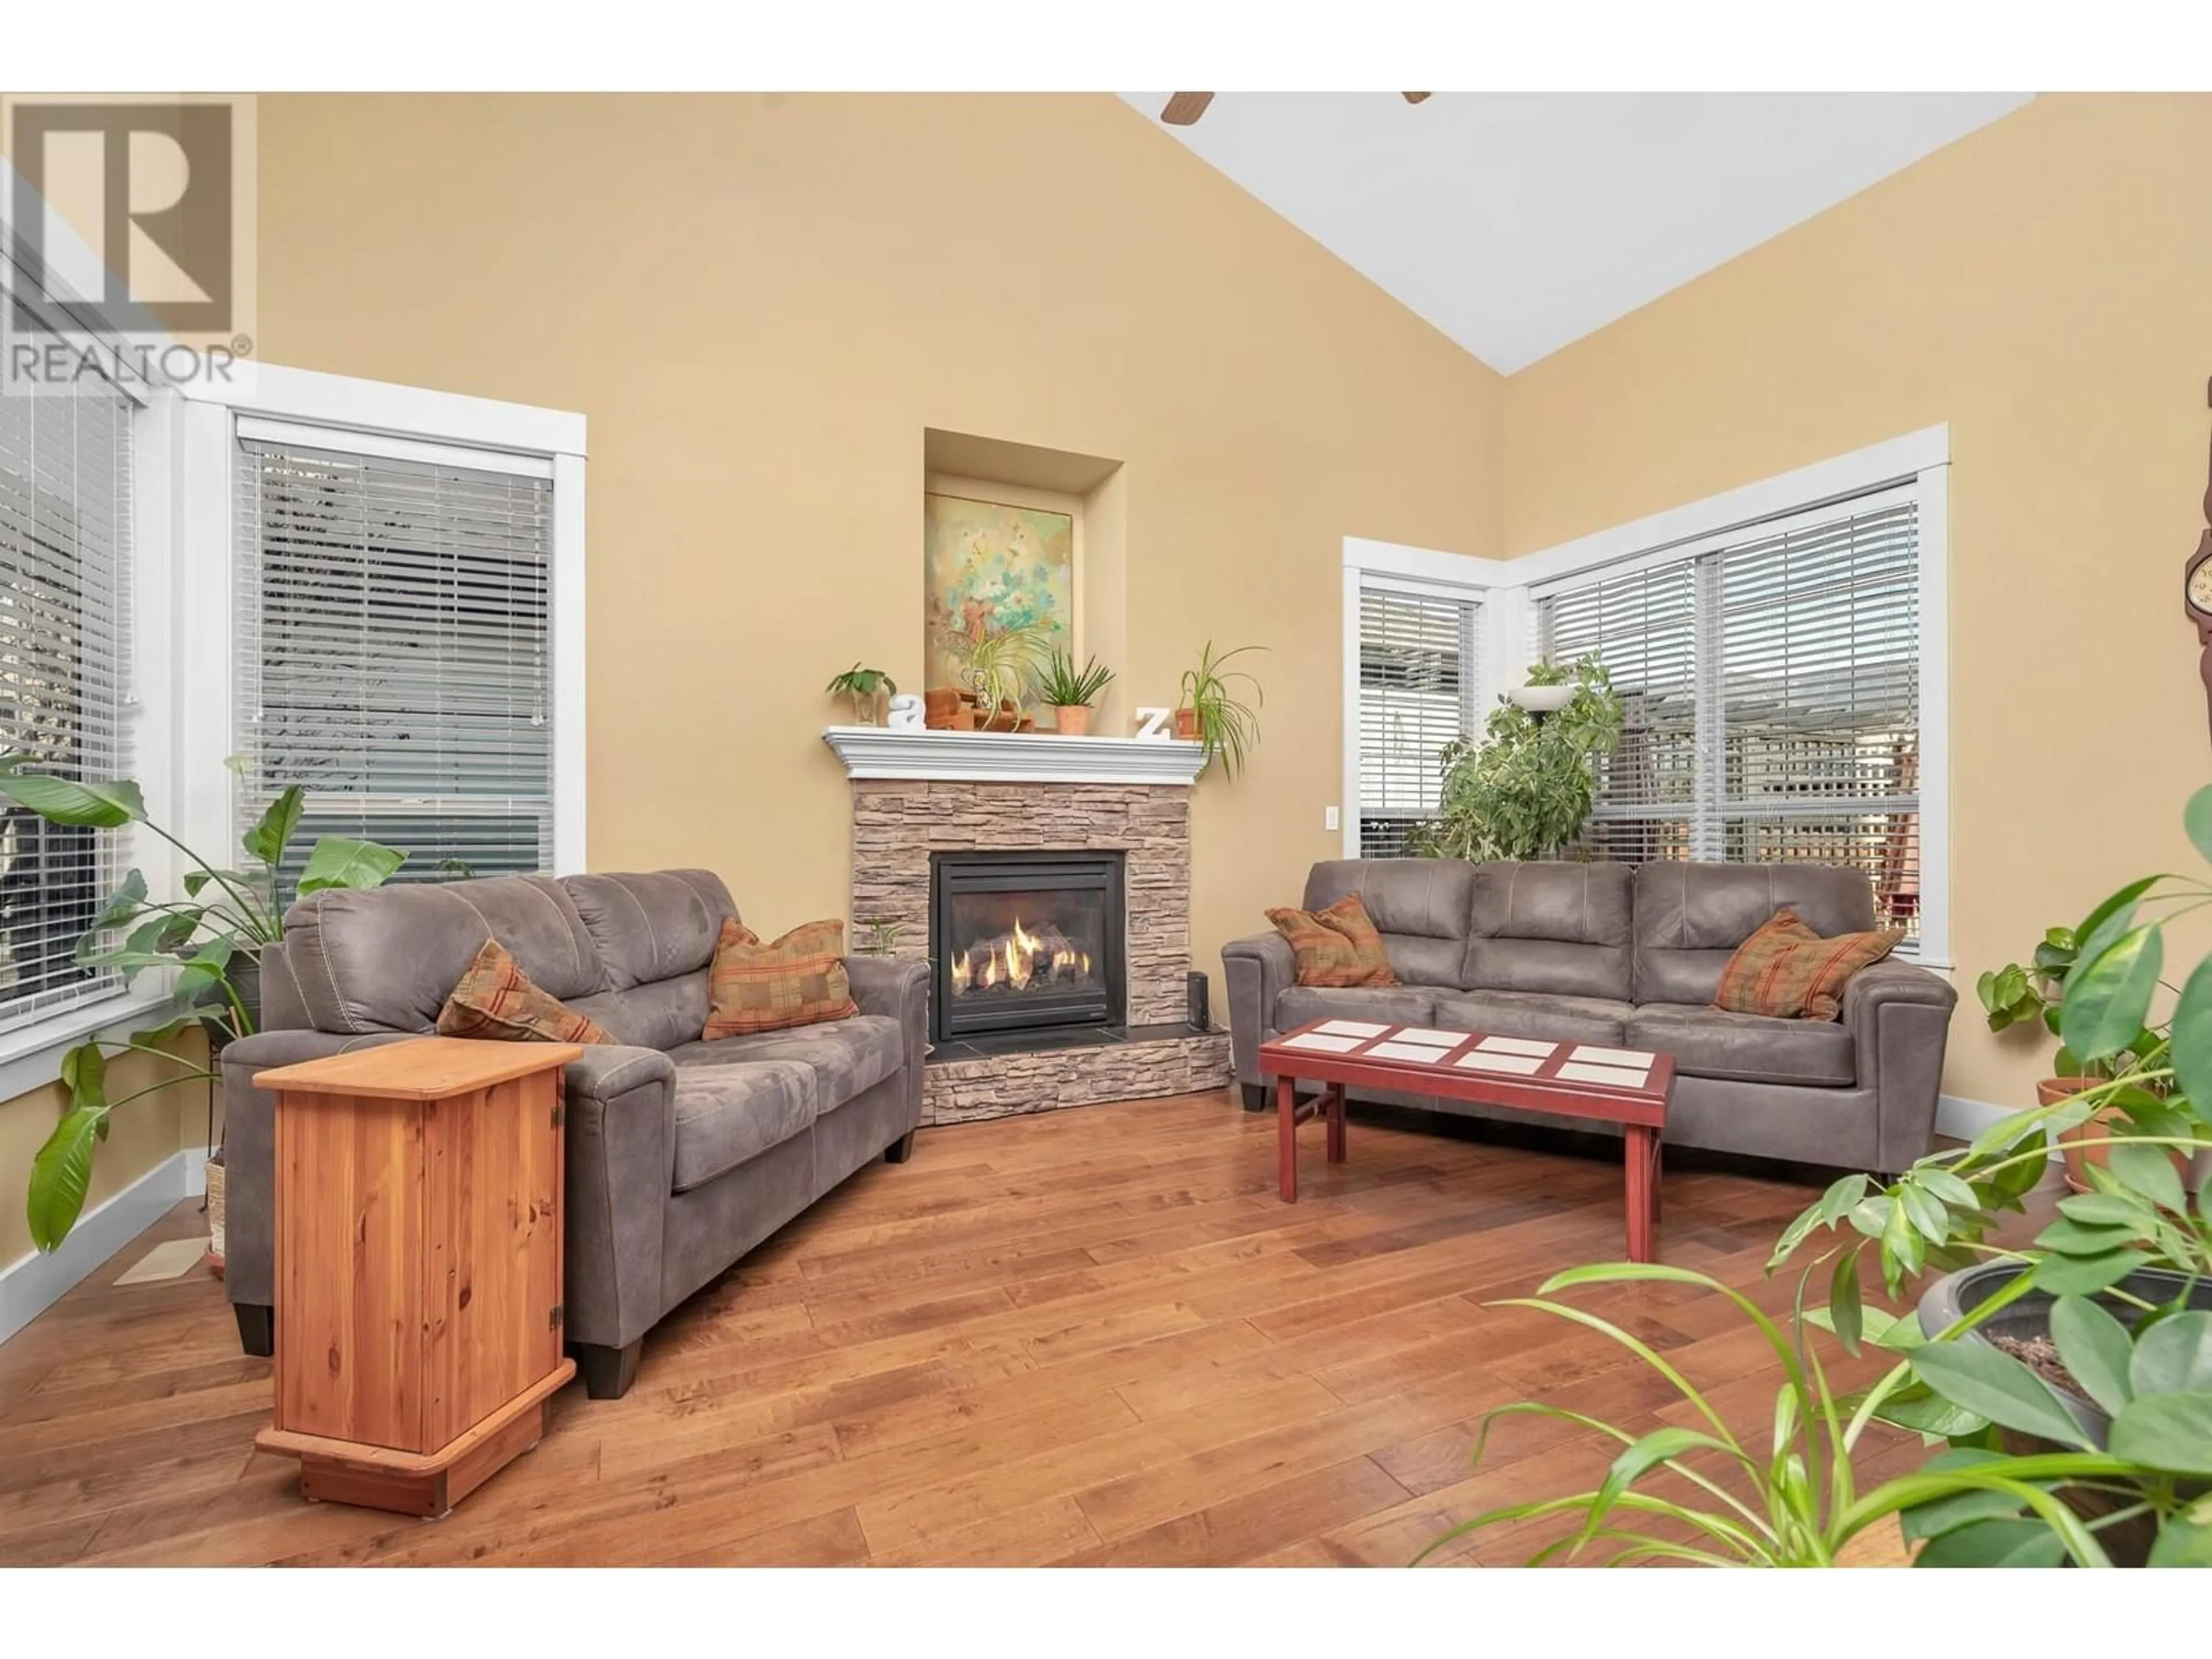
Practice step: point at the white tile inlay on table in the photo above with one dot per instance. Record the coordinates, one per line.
(1352, 1028)
(1327, 1044)
(1635, 1057)
(1520, 1064)
(1501, 1045)
(1440, 1039)
(1395, 1049)
(1620, 1077)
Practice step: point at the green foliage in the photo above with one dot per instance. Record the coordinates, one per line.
(1228, 726)
(1525, 790)
(1063, 685)
(206, 937)
(880, 935)
(1002, 664)
(858, 682)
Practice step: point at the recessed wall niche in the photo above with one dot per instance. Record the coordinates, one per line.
(1012, 530)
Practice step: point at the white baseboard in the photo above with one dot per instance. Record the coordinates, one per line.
(33, 1285)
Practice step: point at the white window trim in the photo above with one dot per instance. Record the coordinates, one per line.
(1507, 590)
(406, 422)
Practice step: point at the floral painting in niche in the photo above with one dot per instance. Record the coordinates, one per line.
(987, 566)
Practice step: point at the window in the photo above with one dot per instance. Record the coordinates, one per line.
(1771, 683)
(65, 555)
(393, 651)
(1418, 679)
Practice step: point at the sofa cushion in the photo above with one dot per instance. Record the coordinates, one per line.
(1745, 1048)
(1536, 1014)
(1691, 917)
(1559, 928)
(846, 1056)
(1301, 1005)
(495, 1002)
(1420, 905)
(652, 926)
(661, 1013)
(799, 980)
(1336, 946)
(385, 958)
(1787, 971)
(728, 1115)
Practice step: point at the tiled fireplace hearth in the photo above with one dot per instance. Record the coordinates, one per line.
(1030, 795)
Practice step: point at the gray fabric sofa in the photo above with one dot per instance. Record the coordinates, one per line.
(682, 1154)
(1614, 954)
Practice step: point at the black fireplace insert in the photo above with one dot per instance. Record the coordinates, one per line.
(1020, 941)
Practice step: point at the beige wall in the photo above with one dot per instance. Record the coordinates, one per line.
(760, 302)
(2046, 287)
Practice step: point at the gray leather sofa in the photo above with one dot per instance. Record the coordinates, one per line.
(682, 1154)
(1608, 953)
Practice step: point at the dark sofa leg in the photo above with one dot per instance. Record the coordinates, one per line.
(1256, 1098)
(256, 1328)
(900, 1150)
(607, 1372)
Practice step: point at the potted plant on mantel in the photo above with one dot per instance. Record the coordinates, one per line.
(1212, 713)
(1069, 691)
(1002, 666)
(212, 937)
(1524, 790)
(870, 690)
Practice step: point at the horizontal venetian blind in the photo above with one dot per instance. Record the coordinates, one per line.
(1642, 625)
(64, 562)
(1818, 685)
(395, 656)
(1418, 674)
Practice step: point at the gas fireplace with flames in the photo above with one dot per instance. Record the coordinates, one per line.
(1021, 941)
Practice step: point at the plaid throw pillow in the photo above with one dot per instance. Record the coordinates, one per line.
(496, 1001)
(1787, 971)
(1336, 946)
(798, 981)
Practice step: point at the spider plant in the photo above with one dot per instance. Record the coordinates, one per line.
(1217, 718)
(1789, 1499)
(1001, 665)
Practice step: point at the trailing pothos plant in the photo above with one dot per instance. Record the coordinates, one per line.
(1523, 791)
(211, 936)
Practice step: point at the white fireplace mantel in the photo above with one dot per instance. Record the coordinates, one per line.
(879, 751)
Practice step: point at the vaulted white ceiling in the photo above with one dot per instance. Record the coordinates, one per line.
(1518, 221)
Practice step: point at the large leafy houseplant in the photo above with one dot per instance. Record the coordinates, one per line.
(1524, 790)
(211, 935)
(2089, 1441)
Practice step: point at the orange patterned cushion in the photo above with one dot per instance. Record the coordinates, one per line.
(1336, 946)
(496, 1001)
(798, 981)
(1787, 971)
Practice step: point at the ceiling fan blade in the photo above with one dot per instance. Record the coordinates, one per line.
(1186, 107)
(1415, 97)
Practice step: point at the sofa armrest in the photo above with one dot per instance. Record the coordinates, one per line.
(1258, 969)
(898, 987)
(249, 1150)
(621, 1168)
(1900, 1017)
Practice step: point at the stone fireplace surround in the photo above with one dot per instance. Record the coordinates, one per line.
(1043, 792)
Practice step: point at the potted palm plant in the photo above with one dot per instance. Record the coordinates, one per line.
(1069, 691)
(211, 936)
(1212, 713)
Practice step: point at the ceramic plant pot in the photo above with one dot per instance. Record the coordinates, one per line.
(1186, 725)
(1071, 719)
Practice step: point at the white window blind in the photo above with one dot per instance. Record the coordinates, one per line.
(65, 560)
(1772, 690)
(1418, 674)
(394, 655)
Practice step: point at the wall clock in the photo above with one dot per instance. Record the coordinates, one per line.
(2196, 588)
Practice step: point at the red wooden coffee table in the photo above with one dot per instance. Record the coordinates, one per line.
(1627, 1086)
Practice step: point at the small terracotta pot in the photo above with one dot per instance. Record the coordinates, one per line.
(2052, 1090)
(1071, 719)
(1004, 719)
(1186, 726)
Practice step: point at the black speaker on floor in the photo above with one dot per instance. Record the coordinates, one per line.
(1201, 1005)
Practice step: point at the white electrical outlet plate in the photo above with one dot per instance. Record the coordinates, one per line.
(1331, 818)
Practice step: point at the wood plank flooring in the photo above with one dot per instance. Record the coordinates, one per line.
(1093, 1336)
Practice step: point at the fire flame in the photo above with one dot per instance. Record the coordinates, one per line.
(1015, 961)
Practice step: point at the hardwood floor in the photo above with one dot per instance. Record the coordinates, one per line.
(1091, 1336)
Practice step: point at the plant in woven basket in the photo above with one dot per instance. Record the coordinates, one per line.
(211, 936)
(1524, 790)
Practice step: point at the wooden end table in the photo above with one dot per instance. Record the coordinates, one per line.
(1629, 1087)
(419, 1268)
